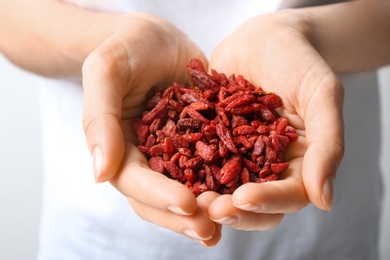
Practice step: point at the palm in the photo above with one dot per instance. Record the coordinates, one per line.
(285, 63)
(144, 52)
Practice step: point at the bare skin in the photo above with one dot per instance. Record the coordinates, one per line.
(314, 43)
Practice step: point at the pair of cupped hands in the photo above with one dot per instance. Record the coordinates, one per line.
(272, 51)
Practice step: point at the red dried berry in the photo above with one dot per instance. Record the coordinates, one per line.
(215, 135)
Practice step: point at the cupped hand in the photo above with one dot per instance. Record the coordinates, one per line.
(144, 51)
(274, 52)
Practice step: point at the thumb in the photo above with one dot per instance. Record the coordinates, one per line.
(102, 111)
(325, 142)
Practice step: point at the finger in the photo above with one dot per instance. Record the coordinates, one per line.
(102, 116)
(197, 226)
(204, 201)
(283, 196)
(222, 211)
(296, 149)
(325, 142)
(137, 181)
(213, 241)
(206, 198)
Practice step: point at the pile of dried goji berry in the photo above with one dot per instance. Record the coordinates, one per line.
(215, 135)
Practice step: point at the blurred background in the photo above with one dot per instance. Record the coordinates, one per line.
(21, 169)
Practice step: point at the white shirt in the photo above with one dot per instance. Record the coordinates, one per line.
(83, 220)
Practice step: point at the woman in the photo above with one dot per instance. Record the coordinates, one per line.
(119, 57)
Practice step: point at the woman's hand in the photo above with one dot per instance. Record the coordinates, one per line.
(144, 51)
(273, 51)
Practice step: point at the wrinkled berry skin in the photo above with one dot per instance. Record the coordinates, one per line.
(216, 134)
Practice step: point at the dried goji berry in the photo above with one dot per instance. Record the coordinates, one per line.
(216, 134)
(226, 137)
(231, 169)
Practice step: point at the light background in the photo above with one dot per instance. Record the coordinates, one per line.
(21, 169)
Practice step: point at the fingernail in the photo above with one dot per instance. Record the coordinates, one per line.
(177, 210)
(327, 192)
(202, 242)
(193, 235)
(229, 220)
(97, 162)
(248, 207)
